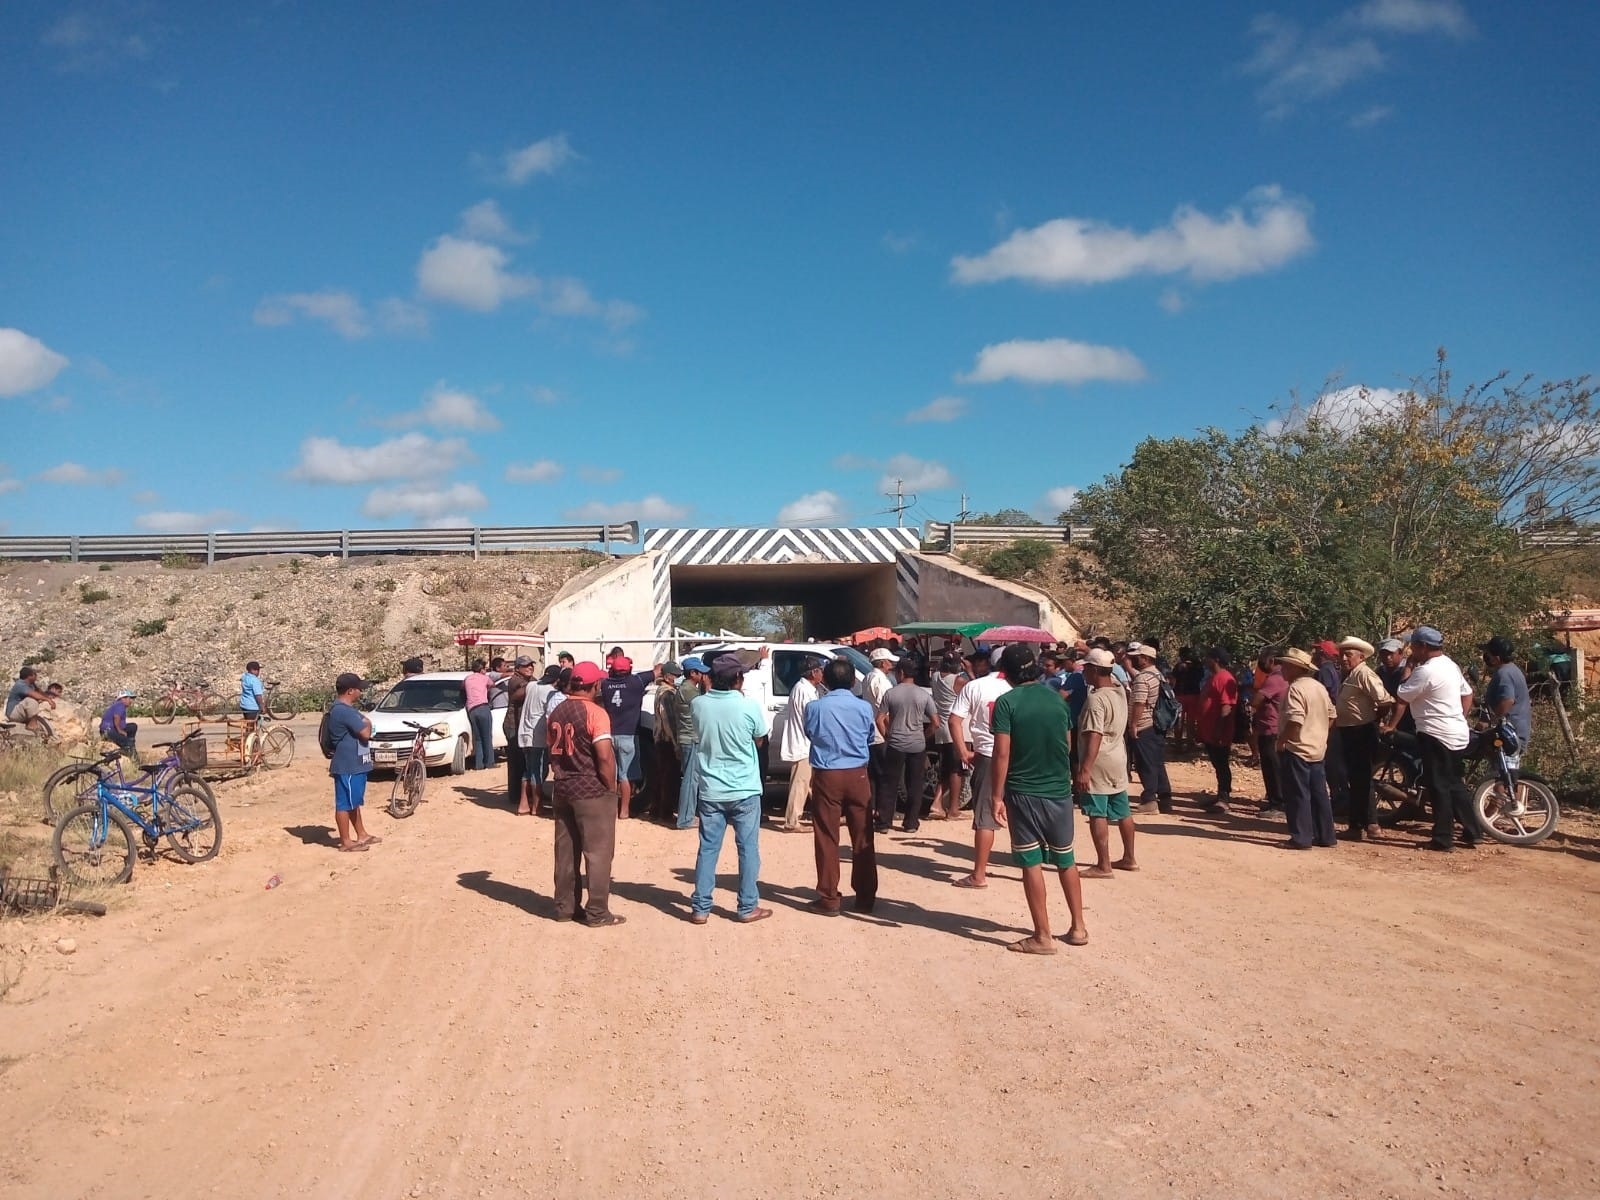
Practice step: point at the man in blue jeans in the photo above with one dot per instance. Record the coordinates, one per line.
(687, 738)
(728, 762)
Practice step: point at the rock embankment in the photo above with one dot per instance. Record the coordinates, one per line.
(99, 627)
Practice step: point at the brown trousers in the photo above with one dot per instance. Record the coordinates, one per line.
(585, 828)
(846, 795)
(665, 780)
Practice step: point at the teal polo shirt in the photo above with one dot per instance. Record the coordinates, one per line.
(729, 762)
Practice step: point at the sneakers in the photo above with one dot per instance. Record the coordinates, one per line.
(1148, 808)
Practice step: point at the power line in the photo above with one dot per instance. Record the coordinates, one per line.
(898, 508)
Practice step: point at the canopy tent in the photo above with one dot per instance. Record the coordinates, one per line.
(876, 633)
(964, 628)
(498, 637)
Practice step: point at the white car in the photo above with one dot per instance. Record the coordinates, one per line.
(438, 699)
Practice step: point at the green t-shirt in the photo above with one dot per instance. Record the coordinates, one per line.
(1037, 718)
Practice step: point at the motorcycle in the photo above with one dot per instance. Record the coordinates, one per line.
(1512, 806)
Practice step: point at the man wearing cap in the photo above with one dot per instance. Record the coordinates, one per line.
(1392, 667)
(1032, 776)
(665, 773)
(1304, 719)
(622, 694)
(1215, 725)
(1438, 698)
(973, 734)
(516, 692)
(878, 682)
(686, 737)
(252, 692)
(1102, 771)
(728, 763)
(794, 747)
(350, 732)
(585, 801)
(838, 727)
(906, 719)
(1506, 697)
(115, 726)
(25, 701)
(1361, 701)
(1149, 743)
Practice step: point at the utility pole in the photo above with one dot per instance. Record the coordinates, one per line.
(900, 503)
(964, 513)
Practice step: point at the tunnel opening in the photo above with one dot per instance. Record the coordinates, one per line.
(836, 598)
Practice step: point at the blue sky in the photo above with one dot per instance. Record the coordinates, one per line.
(345, 265)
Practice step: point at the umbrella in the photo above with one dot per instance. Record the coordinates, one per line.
(1016, 633)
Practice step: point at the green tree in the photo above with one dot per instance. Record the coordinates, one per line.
(1350, 517)
(1006, 516)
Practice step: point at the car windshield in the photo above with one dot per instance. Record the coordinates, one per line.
(857, 659)
(424, 696)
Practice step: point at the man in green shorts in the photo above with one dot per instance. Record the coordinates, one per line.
(1031, 786)
(1102, 775)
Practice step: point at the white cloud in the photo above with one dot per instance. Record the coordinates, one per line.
(599, 474)
(409, 456)
(1054, 360)
(540, 394)
(90, 42)
(402, 317)
(1415, 16)
(544, 157)
(915, 474)
(74, 474)
(26, 363)
(567, 297)
(8, 485)
(651, 510)
(1173, 301)
(186, 522)
(1269, 230)
(814, 508)
(470, 273)
(448, 408)
(485, 222)
(900, 243)
(1344, 409)
(545, 470)
(443, 502)
(339, 310)
(943, 408)
(1055, 502)
(1371, 116)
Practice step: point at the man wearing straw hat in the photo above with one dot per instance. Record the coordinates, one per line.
(1304, 718)
(1362, 699)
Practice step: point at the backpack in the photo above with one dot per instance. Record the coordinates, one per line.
(325, 737)
(1167, 710)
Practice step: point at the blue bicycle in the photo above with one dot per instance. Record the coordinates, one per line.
(75, 783)
(93, 843)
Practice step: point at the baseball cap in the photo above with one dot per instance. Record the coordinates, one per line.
(1139, 648)
(1101, 658)
(551, 673)
(671, 668)
(1389, 645)
(695, 663)
(1427, 635)
(1500, 647)
(621, 662)
(126, 694)
(346, 681)
(1327, 647)
(586, 673)
(522, 660)
(882, 655)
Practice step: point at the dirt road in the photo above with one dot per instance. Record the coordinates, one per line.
(408, 1022)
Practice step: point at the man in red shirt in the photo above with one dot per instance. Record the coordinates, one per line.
(1271, 687)
(1215, 726)
(585, 772)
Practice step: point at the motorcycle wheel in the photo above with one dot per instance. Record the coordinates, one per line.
(1524, 819)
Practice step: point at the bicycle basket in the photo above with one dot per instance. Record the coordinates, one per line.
(192, 754)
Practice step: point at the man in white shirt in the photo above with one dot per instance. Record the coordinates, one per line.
(972, 731)
(794, 747)
(1439, 698)
(878, 682)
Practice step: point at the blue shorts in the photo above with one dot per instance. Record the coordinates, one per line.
(626, 746)
(349, 792)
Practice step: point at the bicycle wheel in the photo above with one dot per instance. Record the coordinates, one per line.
(191, 823)
(163, 709)
(1390, 790)
(69, 787)
(1523, 819)
(277, 748)
(94, 845)
(408, 787)
(210, 705)
(45, 733)
(280, 707)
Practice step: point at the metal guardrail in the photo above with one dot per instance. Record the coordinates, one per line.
(949, 534)
(343, 542)
(1581, 536)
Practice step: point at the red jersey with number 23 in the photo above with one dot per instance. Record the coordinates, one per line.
(575, 727)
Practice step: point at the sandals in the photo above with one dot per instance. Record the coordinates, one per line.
(967, 881)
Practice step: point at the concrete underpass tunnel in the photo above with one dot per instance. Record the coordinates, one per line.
(838, 598)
